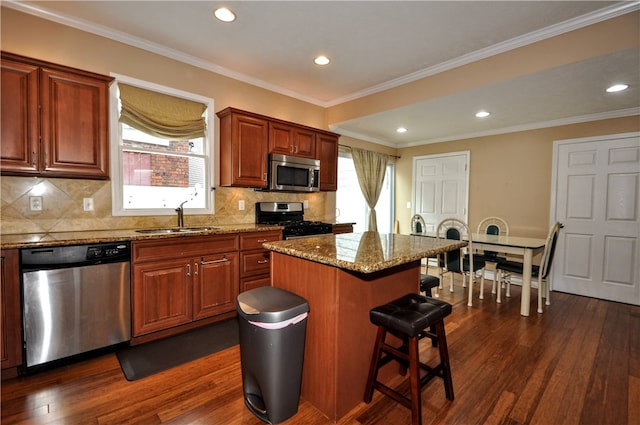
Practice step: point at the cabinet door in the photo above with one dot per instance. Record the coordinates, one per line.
(288, 139)
(215, 285)
(327, 153)
(75, 139)
(10, 321)
(19, 119)
(304, 142)
(280, 138)
(162, 295)
(243, 151)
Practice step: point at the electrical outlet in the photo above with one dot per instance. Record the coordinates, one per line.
(241, 205)
(87, 204)
(305, 204)
(35, 203)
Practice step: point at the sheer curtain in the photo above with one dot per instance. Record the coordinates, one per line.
(370, 169)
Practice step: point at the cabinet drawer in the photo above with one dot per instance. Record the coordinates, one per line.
(252, 263)
(252, 283)
(249, 241)
(171, 248)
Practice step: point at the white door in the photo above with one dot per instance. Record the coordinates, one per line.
(441, 187)
(597, 198)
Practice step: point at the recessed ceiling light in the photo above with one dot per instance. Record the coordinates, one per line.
(224, 14)
(483, 114)
(321, 60)
(401, 130)
(617, 87)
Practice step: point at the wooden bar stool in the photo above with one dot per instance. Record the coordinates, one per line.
(408, 318)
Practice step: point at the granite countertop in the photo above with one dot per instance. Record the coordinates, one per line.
(33, 240)
(366, 252)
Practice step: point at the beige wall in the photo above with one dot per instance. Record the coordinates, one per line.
(30, 36)
(509, 174)
(605, 37)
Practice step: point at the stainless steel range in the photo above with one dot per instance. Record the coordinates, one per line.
(291, 216)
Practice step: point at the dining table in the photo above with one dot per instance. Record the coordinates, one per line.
(525, 247)
(514, 245)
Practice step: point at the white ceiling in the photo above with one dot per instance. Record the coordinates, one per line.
(376, 45)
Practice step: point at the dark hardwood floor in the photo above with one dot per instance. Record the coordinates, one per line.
(578, 363)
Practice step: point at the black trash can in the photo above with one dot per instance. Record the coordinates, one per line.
(273, 325)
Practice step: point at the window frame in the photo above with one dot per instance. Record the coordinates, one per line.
(115, 148)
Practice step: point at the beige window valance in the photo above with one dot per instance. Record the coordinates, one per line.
(161, 115)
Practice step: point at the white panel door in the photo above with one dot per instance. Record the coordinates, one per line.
(441, 187)
(597, 198)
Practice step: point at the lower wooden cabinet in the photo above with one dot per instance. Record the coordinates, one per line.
(342, 228)
(179, 281)
(10, 318)
(215, 285)
(255, 261)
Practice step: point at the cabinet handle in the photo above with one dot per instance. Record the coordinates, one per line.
(34, 159)
(188, 269)
(264, 177)
(263, 261)
(262, 240)
(223, 260)
(195, 273)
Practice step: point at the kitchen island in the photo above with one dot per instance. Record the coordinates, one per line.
(342, 277)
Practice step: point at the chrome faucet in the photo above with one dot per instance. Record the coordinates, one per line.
(180, 212)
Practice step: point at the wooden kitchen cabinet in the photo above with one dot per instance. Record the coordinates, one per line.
(247, 139)
(162, 296)
(178, 282)
(10, 315)
(216, 285)
(287, 139)
(243, 148)
(327, 153)
(255, 261)
(54, 120)
(342, 228)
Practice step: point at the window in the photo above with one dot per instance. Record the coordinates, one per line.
(350, 204)
(153, 171)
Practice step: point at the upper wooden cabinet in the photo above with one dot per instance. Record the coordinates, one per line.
(54, 120)
(247, 139)
(327, 153)
(243, 149)
(288, 139)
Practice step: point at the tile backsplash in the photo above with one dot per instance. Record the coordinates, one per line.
(62, 207)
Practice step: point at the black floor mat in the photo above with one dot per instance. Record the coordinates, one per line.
(143, 360)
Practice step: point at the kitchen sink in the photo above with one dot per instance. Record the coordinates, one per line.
(175, 230)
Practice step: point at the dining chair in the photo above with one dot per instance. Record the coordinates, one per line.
(461, 261)
(507, 268)
(493, 226)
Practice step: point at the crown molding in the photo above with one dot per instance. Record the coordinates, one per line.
(621, 113)
(355, 135)
(545, 33)
(505, 46)
(156, 48)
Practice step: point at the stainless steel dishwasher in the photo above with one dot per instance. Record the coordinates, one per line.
(75, 299)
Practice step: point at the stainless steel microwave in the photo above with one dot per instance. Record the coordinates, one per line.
(293, 174)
